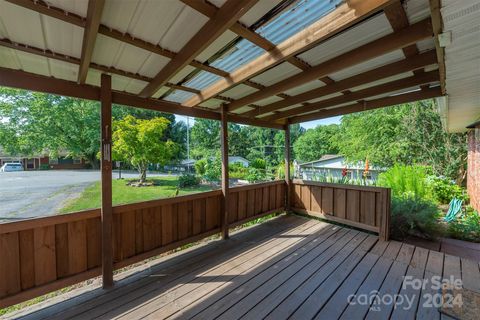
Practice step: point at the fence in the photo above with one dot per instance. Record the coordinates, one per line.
(45, 254)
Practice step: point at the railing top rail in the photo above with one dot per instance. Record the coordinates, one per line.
(256, 185)
(339, 185)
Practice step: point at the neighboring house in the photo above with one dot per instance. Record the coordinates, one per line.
(332, 165)
(242, 160)
(44, 161)
(189, 164)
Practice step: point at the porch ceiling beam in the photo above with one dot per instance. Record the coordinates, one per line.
(338, 20)
(94, 14)
(398, 19)
(369, 105)
(73, 60)
(34, 82)
(228, 15)
(397, 40)
(405, 83)
(402, 66)
(51, 11)
(437, 24)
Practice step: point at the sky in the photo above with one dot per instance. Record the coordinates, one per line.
(306, 125)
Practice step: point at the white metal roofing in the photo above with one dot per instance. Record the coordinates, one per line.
(462, 61)
(171, 24)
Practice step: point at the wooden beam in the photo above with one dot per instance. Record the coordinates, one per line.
(288, 180)
(106, 170)
(437, 24)
(405, 83)
(369, 105)
(398, 19)
(73, 60)
(69, 17)
(34, 82)
(403, 38)
(225, 184)
(402, 66)
(94, 14)
(228, 14)
(338, 20)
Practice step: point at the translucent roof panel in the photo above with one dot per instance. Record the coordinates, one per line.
(178, 96)
(299, 16)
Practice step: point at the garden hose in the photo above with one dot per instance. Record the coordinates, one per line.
(455, 207)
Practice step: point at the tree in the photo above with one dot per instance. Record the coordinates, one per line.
(140, 142)
(316, 143)
(205, 138)
(404, 134)
(35, 122)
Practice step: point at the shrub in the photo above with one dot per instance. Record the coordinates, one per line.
(44, 166)
(407, 181)
(258, 163)
(413, 216)
(467, 227)
(237, 170)
(213, 169)
(255, 175)
(200, 166)
(445, 190)
(187, 180)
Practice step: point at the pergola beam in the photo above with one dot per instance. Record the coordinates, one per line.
(392, 69)
(405, 83)
(228, 14)
(94, 14)
(398, 40)
(34, 82)
(338, 20)
(369, 105)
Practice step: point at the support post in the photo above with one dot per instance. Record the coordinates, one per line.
(288, 181)
(225, 184)
(106, 174)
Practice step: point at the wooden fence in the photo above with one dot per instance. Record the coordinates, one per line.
(46, 254)
(362, 207)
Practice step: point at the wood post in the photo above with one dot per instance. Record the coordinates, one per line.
(225, 185)
(106, 173)
(287, 168)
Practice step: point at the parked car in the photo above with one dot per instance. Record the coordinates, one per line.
(9, 167)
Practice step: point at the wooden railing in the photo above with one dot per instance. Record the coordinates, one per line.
(45, 254)
(362, 207)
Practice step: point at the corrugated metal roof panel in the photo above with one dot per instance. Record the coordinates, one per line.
(211, 103)
(416, 10)
(361, 34)
(217, 45)
(276, 74)
(305, 87)
(74, 6)
(239, 91)
(268, 100)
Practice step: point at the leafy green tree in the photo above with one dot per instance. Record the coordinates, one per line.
(316, 143)
(35, 122)
(404, 134)
(140, 142)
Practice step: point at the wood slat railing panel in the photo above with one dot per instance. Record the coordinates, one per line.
(363, 207)
(45, 254)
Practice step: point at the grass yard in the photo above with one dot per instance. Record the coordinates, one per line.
(165, 187)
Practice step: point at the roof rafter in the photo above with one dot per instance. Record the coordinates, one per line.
(403, 38)
(51, 11)
(369, 105)
(34, 82)
(73, 60)
(94, 14)
(338, 20)
(437, 23)
(228, 14)
(398, 67)
(405, 83)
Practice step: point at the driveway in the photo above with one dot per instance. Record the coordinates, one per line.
(30, 194)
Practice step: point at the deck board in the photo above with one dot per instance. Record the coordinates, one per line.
(290, 267)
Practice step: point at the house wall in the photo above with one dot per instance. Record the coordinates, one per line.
(473, 167)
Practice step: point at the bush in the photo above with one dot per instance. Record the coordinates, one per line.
(187, 180)
(213, 169)
(407, 182)
(445, 190)
(467, 227)
(237, 170)
(255, 175)
(200, 166)
(258, 164)
(413, 216)
(44, 166)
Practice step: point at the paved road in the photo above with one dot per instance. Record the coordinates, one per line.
(30, 194)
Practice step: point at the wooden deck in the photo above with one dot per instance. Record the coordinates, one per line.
(291, 267)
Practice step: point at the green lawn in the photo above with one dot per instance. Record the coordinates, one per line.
(121, 194)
